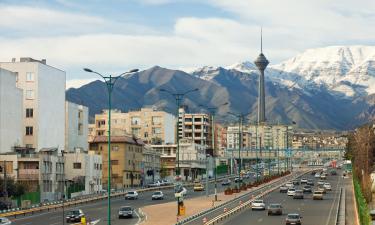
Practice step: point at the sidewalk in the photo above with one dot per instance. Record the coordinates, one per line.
(165, 214)
(350, 204)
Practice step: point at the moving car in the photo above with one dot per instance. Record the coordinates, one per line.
(156, 184)
(157, 195)
(298, 194)
(237, 180)
(275, 209)
(327, 186)
(307, 189)
(131, 195)
(318, 195)
(322, 188)
(5, 221)
(258, 205)
(303, 181)
(295, 182)
(226, 182)
(323, 176)
(125, 211)
(293, 219)
(198, 186)
(74, 215)
(291, 192)
(333, 172)
(321, 182)
(317, 175)
(283, 189)
(310, 182)
(289, 184)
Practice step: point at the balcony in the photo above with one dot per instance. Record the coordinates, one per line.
(28, 174)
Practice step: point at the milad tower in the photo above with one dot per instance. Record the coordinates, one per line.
(261, 63)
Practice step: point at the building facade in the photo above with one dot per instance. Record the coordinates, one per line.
(76, 127)
(151, 165)
(126, 160)
(152, 126)
(85, 167)
(43, 108)
(196, 127)
(11, 102)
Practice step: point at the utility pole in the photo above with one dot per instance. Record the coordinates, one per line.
(5, 181)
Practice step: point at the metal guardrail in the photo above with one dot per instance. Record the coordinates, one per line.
(59, 204)
(243, 205)
(340, 214)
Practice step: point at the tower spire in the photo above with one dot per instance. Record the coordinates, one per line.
(261, 39)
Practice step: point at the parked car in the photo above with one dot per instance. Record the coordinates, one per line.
(283, 189)
(307, 189)
(293, 219)
(157, 195)
(291, 192)
(318, 195)
(298, 194)
(258, 205)
(74, 215)
(125, 211)
(327, 186)
(198, 186)
(131, 195)
(226, 182)
(275, 209)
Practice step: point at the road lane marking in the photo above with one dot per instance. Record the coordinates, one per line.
(139, 218)
(334, 200)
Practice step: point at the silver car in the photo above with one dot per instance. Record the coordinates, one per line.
(5, 221)
(125, 211)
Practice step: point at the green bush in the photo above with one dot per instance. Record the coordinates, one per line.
(363, 211)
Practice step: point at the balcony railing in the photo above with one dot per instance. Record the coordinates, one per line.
(28, 174)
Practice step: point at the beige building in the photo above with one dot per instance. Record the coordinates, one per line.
(126, 160)
(155, 127)
(76, 127)
(196, 127)
(43, 110)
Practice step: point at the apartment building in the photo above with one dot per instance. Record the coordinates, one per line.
(192, 158)
(11, 102)
(196, 127)
(76, 127)
(152, 126)
(126, 160)
(86, 167)
(43, 109)
(151, 165)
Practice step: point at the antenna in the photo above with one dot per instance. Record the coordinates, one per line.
(261, 39)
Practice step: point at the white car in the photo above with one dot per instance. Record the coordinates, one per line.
(320, 182)
(291, 192)
(289, 185)
(327, 186)
(5, 221)
(131, 195)
(317, 175)
(303, 181)
(157, 195)
(258, 205)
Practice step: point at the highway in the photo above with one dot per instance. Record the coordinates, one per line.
(314, 212)
(98, 210)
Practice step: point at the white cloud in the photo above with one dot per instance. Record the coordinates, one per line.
(76, 83)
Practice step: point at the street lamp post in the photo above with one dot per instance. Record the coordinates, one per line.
(179, 96)
(110, 83)
(212, 110)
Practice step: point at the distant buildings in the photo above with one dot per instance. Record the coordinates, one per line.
(11, 113)
(152, 126)
(76, 127)
(43, 110)
(151, 165)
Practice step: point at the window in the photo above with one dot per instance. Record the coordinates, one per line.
(115, 148)
(80, 129)
(100, 133)
(29, 76)
(29, 145)
(29, 94)
(77, 165)
(146, 134)
(136, 131)
(114, 162)
(80, 114)
(156, 120)
(29, 131)
(156, 130)
(29, 113)
(136, 121)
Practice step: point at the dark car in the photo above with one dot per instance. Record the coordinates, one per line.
(125, 211)
(307, 189)
(333, 172)
(313, 172)
(298, 194)
(74, 215)
(4, 206)
(293, 219)
(275, 209)
(238, 180)
(310, 182)
(295, 182)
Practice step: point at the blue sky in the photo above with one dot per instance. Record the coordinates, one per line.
(116, 35)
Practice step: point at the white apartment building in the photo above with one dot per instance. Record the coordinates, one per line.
(10, 112)
(151, 165)
(76, 127)
(86, 166)
(43, 108)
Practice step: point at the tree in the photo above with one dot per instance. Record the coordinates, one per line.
(163, 171)
(14, 189)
